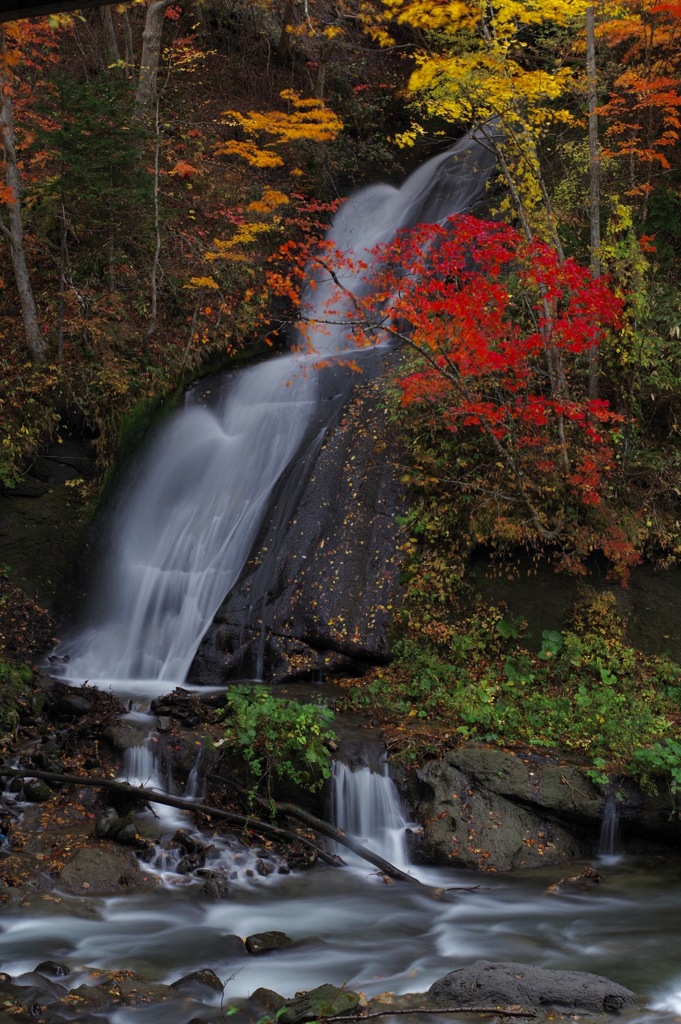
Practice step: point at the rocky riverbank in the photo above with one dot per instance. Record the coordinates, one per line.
(55, 992)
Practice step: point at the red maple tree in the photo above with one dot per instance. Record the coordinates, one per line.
(502, 329)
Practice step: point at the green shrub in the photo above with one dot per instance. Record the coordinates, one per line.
(14, 681)
(278, 737)
(585, 692)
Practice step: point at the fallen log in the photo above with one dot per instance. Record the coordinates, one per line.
(152, 796)
(325, 829)
(391, 1011)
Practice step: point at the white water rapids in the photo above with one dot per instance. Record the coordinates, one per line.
(184, 529)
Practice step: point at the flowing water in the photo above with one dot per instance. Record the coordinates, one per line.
(350, 928)
(191, 511)
(184, 529)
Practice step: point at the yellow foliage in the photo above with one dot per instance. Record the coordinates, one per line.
(309, 119)
(244, 235)
(249, 151)
(471, 70)
(271, 199)
(202, 282)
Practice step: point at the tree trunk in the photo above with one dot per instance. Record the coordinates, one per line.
(594, 178)
(145, 96)
(286, 36)
(113, 54)
(13, 230)
(62, 283)
(157, 232)
(129, 48)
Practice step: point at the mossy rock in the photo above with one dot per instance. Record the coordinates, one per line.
(324, 1001)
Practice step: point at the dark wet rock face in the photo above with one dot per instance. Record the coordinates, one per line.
(532, 988)
(40, 518)
(320, 597)
(487, 808)
(198, 980)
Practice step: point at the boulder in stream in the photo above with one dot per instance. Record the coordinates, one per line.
(104, 869)
(533, 988)
(323, 1001)
(487, 808)
(264, 942)
(198, 980)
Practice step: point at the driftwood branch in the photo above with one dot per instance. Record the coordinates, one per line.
(328, 830)
(246, 821)
(153, 797)
(391, 1011)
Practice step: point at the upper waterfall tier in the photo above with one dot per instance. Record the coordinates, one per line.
(191, 510)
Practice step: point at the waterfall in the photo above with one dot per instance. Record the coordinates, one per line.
(190, 513)
(366, 805)
(610, 826)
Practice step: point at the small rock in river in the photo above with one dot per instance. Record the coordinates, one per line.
(190, 862)
(494, 984)
(53, 968)
(263, 942)
(36, 791)
(324, 1001)
(215, 885)
(205, 978)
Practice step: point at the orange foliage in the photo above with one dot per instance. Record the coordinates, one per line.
(643, 110)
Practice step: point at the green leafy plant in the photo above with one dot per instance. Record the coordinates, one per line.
(586, 692)
(661, 759)
(278, 737)
(15, 680)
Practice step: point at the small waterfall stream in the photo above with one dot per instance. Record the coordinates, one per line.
(366, 804)
(608, 846)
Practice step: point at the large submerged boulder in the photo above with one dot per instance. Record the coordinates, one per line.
(532, 988)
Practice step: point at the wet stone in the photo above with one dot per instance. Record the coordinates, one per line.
(110, 826)
(163, 723)
(191, 862)
(205, 978)
(71, 705)
(232, 945)
(52, 967)
(35, 791)
(497, 984)
(34, 988)
(264, 942)
(189, 843)
(215, 885)
(267, 1000)
(105, 822)
(324, 1001)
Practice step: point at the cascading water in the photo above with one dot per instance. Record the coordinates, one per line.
(189, 517)
(366, 805)
(610, 827)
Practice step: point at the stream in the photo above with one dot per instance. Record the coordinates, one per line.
(183, 529)
(350, 928)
